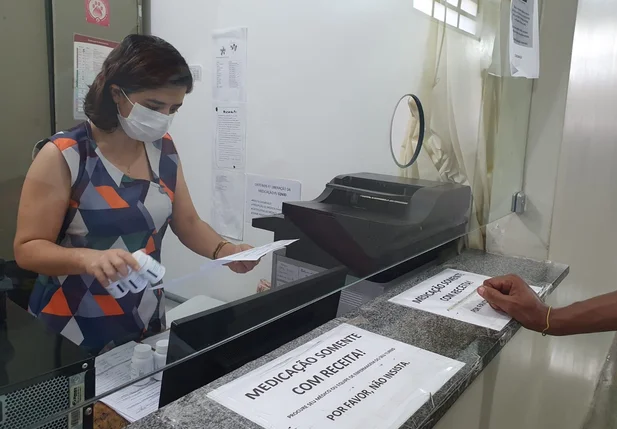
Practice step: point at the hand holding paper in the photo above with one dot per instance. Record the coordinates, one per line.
(511, 295)
(249, 255)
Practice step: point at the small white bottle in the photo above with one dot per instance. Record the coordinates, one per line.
(134, 282)
(142, 363)
(160, 358)
(117, 289)
(150, 269)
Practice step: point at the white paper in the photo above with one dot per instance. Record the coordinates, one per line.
(256, 253)
(112, 369)
(135, 402)
(265, 195)
(348, 378)
(228, 203)
(89, 53)
(230, 136)
(452, 294)
(250, 255)
(196, 72)
(230, 59)
(287, 272)
(524, 41)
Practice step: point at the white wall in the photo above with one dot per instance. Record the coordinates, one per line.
(323, 79)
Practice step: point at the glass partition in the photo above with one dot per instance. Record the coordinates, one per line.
(326, 121)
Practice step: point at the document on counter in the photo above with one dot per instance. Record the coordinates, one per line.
(135, 402)
(347, 378)
(112, 368)
(453, 294)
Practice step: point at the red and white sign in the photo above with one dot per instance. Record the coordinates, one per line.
(97, 12)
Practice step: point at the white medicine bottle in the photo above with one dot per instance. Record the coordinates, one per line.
(150, 269)
(160, 358)
(142, 363)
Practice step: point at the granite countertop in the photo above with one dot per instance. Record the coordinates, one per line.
(475, 346)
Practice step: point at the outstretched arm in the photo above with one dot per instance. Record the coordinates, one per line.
(513, 296)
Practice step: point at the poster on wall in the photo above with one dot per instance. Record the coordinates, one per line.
(524, 39)
(230, 58)
(265, 195)
(348, 378)
(228, 203)
(453, 294)
(89, 53)
(97, 12)
(230, 136)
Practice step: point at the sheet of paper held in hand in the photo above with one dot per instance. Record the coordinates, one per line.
(250, 255)
(347, 378)
(453, 294)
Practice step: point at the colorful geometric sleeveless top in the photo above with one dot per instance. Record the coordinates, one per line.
(108, 210)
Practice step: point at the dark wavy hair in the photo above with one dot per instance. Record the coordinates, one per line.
(139, 63)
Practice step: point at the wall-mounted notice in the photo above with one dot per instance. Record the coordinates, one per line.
(524, 39)
(97, 12)
(228, 203)
(452, 294)
(230, 55)
(89, 55)
(196, 72)
(230, 136)
(348, 378)
(265, 195)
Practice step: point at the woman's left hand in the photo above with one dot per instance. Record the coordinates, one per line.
(240, 267)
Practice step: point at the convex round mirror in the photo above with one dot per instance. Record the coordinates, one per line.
(407, 130)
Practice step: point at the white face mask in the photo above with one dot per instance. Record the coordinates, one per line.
(144, 124)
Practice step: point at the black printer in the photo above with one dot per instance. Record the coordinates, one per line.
(369, 222)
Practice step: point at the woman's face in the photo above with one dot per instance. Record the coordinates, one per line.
(166, 100)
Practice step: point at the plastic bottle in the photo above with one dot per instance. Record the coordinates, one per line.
(134, 282)
(150, 269)
(151, 272)
(117, 289)
(142, 363)
(160, 358)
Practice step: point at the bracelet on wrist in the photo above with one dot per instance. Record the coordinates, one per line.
(548, 322)
(218, 249)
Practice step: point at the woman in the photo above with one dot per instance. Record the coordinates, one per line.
(105, 189)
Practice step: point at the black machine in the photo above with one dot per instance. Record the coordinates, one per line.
(202, 330)
(41, 374)
(370, 222)
(360, 225)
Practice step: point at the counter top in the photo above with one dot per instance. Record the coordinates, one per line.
(475, 346)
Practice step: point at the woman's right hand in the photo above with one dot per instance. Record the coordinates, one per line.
(108, 266)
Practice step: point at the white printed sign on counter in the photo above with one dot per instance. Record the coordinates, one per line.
(524, 40)
(347, 378)
(453, 294)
